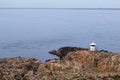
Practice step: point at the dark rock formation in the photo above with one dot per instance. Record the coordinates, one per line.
(61, 52)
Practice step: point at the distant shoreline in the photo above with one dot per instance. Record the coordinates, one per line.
(69, 8)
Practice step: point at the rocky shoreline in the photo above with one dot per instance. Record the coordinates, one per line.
(74, 63)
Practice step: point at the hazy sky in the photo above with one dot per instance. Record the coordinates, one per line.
(60, 3)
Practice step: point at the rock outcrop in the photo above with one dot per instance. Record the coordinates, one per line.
(62, 52)
(74, 64)
(18, 68)
(100, 59)
(80, 63)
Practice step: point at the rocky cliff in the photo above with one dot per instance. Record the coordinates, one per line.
(74, 64)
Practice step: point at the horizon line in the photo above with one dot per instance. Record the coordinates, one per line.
(70, 8)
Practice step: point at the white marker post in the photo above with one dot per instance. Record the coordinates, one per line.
(92, 46)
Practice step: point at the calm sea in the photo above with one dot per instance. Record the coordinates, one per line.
(34, 32)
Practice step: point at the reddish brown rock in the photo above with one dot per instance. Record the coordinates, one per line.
(74, 64)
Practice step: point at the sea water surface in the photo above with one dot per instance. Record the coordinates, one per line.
(34, 32)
